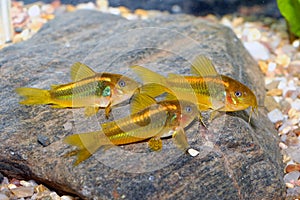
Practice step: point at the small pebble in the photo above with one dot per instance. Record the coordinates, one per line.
(54, 196)
(3, 197)
(274, 92)
(272, 66)
(11, 186)
(292, 176)
(40, 189)
(275, 115)
(257, 50)
(34, 11)
(22, 192)
(296, 104)
(193, 152)
(272, 85)
(282, 145)
(65, 197)
(289, 185)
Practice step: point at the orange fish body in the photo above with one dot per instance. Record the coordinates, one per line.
(150, 120)
(208, 89)
(90, 90)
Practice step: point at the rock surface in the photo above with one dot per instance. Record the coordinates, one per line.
(237, 160)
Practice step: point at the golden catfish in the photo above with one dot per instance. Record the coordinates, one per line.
(208, 88)
(149, 120)
(90, 90)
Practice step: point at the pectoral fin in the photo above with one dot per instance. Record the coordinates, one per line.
(155, 144)
(90, 111)
(215, 113)
(80, 71)
(179, 139)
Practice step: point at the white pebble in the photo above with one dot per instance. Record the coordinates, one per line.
(296, 104)
(25, 183)
(65, 197)
(11, 186)
(34, 11)
(54, 196)
(282, 84)
(275, 115)
(3, 197)
(88, 6)
(294, 153)
(296, 43)
(292, 176)
(282, 145)
(271, 66)
(257, 50)
(289, 185)
(193, 152)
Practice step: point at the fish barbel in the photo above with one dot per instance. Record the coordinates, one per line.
(90, 90)
(149, 120)
(208, 88)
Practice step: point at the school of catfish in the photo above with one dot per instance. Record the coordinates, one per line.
(150, 120)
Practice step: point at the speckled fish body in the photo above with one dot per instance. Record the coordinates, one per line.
(209, 89)
(89, 89)
(152, 122)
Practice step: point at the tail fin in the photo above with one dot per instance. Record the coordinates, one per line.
(87, 144)
(34, 96)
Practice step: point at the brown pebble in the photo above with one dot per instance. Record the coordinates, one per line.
(263, 66)
(297, 131)
(278, 125)
(292, 167)
(124, 10)
(141, 12)
(274, 92)
(22, 192)
(272, 85)
(270, 103)
(294, 68)
(16, 182)
(40, 188)
(70, 8)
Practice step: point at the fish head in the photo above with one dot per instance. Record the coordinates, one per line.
(188, 112)
(239, 96)
(124, 88)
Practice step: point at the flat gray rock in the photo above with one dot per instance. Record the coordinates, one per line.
(237, 160)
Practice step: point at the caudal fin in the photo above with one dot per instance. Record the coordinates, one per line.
(87, 144)
(34, 96)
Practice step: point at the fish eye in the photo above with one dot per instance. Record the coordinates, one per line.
(188, 109)
(238, 94)
(122, 83)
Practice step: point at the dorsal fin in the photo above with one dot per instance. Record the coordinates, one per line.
(202, 66)
(53, 87)
(140, 102)
(80, 71)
